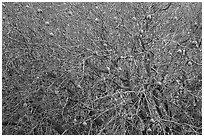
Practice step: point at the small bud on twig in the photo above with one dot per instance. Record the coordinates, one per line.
(47, 23)
(52, 34)
(84, 123)
(39, 11)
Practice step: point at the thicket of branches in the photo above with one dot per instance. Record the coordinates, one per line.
(102, 68)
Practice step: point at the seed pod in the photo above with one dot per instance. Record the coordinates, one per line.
(159, 111)
(150, 55)
(148, 67)
(166, 107)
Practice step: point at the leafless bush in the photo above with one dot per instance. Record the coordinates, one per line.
(102, 68)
